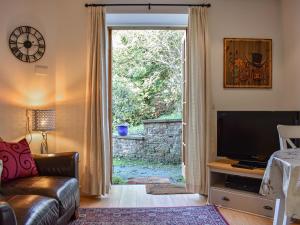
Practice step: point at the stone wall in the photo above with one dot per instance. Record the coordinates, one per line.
(161, 142)
(128, 146)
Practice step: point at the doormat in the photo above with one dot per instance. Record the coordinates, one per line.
(166, 189)
(148, 180)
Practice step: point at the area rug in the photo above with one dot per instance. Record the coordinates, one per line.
(148, 180)
(166, 189)
(193, 215)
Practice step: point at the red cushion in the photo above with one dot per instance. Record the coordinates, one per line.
(17, 160)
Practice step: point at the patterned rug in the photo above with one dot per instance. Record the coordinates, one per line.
(194, 215)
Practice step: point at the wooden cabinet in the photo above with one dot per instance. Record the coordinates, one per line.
(232, 198)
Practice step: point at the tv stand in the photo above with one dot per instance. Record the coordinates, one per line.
(249, 164)
(231, 196)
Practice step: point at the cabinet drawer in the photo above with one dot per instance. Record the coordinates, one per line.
(251, 203)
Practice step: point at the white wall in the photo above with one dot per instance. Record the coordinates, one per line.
(291, 53)
(70, 74)
(250, 19)
(64, 25)
(20, 87)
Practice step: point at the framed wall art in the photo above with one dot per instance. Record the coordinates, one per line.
(247, 63)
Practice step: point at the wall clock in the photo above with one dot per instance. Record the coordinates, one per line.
(27, 44)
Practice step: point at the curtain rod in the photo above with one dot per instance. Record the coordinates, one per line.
(149, 5)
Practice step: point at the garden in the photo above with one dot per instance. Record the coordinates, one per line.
(147, 68)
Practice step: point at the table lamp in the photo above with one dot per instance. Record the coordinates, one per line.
(43, 121)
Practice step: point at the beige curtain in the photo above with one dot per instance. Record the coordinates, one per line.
(96, 176)
(197, 103)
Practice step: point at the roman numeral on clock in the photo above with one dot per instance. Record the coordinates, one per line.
(19, 55)
(27, 29)
(12, 42)
(15, 50)
(34, 58)
(14, 37)
(39, 53)
(20, 29)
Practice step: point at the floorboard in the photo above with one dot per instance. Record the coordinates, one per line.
(135, 196)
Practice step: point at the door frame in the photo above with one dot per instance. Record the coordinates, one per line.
(110, 77)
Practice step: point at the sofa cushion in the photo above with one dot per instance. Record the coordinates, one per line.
(65, 190)
(34, 209)
(17, 160)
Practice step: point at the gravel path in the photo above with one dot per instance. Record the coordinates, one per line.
(171, 171)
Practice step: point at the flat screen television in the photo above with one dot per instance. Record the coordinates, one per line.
(251, 135)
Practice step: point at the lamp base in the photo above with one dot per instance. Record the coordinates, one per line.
(44, 144)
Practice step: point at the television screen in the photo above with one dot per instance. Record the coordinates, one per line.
(251, 135)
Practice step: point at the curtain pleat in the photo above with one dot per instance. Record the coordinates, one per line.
(197, 134)
(96, 176)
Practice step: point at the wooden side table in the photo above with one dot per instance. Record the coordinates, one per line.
(232, 198)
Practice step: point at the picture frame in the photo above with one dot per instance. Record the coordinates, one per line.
(247, 63)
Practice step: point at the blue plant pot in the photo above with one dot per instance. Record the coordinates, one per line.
(122, 130)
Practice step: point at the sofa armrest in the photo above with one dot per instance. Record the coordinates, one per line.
(58, 164)
(7, 215)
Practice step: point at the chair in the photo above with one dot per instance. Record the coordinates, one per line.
(286, 133)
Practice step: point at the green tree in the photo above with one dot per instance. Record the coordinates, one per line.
(147, 74)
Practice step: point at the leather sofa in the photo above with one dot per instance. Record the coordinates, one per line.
(52, 198)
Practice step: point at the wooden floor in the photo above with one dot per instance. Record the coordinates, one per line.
(135, 196)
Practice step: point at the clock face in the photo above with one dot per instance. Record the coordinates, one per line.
(27, 44)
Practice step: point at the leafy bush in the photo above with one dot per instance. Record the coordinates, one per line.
(147, 74)
(172, 116)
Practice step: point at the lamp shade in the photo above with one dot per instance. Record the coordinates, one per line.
(43, 120)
